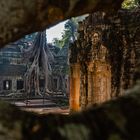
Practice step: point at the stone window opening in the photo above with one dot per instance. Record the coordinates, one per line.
(20, 84)
(7, 85)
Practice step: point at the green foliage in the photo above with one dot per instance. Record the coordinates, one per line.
(130, 4)
(68, 34)
(70, 29)
(58, 43)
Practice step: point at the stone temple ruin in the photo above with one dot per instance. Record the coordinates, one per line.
(15, 64)
(12, 69)
(118, 119)
(103, 60)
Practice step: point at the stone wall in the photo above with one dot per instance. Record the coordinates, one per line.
(119, 34)
(13, 85)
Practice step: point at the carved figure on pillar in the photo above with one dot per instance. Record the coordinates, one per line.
(99, 74)
(99, 51)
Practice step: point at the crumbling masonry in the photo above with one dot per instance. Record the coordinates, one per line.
(105, 58)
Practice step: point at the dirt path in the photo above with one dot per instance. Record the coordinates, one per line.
(41, 106)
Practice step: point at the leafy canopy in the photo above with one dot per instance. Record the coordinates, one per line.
(68, 34)
(130, 4)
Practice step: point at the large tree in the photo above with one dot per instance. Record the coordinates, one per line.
(69, 33)
(38, 57)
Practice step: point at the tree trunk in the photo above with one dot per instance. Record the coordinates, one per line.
(42, 58)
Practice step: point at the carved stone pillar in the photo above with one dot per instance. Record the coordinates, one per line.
(90, 83)
(99, 82)
(1, 84)
(83, 91)
(75, 87)
(14, 84)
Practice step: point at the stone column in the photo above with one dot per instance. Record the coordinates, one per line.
(108, 82)
(75, 87)
(14, 84)
(1, 84)
(99, 82)
(83, 90)
(90, 83)
(102, 83)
